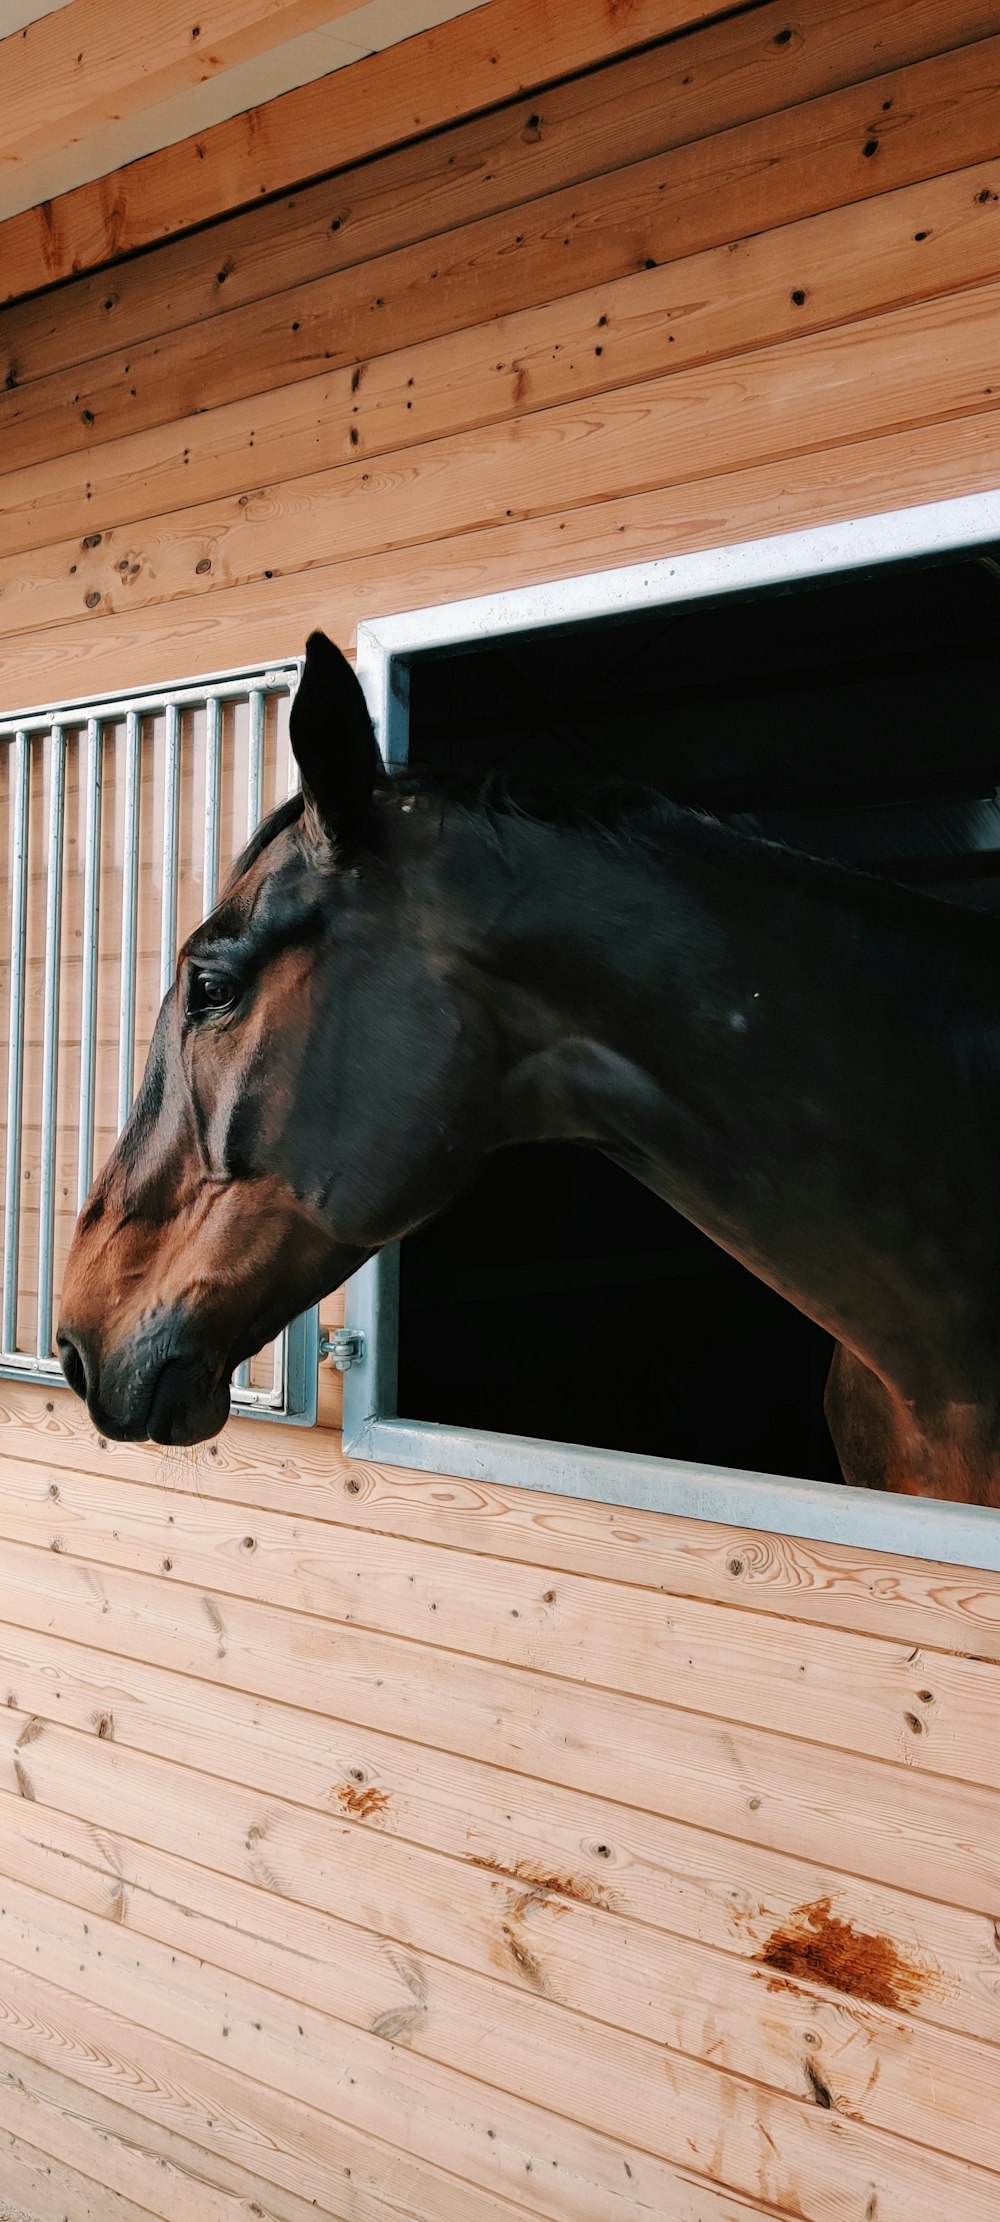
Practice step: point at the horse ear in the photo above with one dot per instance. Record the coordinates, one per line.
(333, 742)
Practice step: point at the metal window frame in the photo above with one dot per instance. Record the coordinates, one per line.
(965, 1535)
(294, 1396)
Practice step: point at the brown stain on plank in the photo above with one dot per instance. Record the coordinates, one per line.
(362, 1802)
(817, 1947)
(539, 1879)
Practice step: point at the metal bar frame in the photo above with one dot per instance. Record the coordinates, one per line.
(21, 782)
(965, 1535)
(296, 1357)
(50, 1033)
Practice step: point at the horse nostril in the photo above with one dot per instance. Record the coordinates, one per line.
(72, 1364)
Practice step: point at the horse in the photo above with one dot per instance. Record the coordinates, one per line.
(402, 977)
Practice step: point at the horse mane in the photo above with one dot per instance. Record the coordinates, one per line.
(624, 815)
(284, 815)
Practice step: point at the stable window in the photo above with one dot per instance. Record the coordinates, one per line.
(122, 817)
(560, 1327)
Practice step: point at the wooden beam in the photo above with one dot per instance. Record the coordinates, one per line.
(931, 360)
(85, 66)
(270, 619)
(491, 55)
(776, 169)
(875, 256)
(667, 97)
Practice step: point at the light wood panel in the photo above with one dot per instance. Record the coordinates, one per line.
(558, 1892)
(70, 72)
(491, 55)
(872, 1818)
(345, 2174)
(878, 255)
(941, 115)
(562, 1967)
(44, 2190)
(865, 1694)
(795, 2154)
(132, 2156)
(719, 76)
(834, 1585)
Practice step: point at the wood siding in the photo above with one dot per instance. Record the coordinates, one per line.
(387, 1847)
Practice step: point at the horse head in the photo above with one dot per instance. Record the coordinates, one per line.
(322, 1078)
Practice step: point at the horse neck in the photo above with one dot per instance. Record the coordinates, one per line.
(777, 1048)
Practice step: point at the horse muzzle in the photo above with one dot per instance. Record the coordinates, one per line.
(158, 1387)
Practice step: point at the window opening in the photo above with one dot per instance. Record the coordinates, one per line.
(834, 691)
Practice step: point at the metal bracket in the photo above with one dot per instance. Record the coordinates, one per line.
(345, 1348)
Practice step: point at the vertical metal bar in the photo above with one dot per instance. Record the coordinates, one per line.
(255, 770)
(293, 777)
(20, 780)
(91, 922)
(171, 812)
(50, 1034)
(213, 785)
(241, 1377)
(130, 895)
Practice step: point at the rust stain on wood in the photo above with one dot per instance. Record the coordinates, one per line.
(817, 1947)
(361, 1801)
(540, 1879)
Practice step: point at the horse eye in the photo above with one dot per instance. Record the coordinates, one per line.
(213, 991)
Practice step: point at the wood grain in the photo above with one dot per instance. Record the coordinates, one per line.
(836, 268)
(562, 1968)
(492, 55)
(253, 1467)
(447, 1854)
(163, 1650)
(941, 116)
(271, 619)
(722, 75)
(921, 1709)
(129, 2155)
(932, 360)
(70, 73)
(758, 2142)
(347, 2175)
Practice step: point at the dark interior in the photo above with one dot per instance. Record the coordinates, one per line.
(855, 718)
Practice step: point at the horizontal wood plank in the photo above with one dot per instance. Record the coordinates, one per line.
(36, 2188)
(788, 2152)
(941, 116)
(165, 1649)
(935, 359)
(827, 270)
(559, 1964)
(914, 1601)
(131, 2155)
(723, 75)
(75, 70)
(890, 1700)
(456, 1849)
(494, 54)
(350, 2176)
(271, 619)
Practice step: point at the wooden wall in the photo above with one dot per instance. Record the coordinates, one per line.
(389, 1848)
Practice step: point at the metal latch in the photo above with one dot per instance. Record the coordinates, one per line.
(345, 1347)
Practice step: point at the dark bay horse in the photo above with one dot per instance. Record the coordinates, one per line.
(400, 979)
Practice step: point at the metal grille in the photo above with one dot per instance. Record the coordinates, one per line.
(120, 820)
